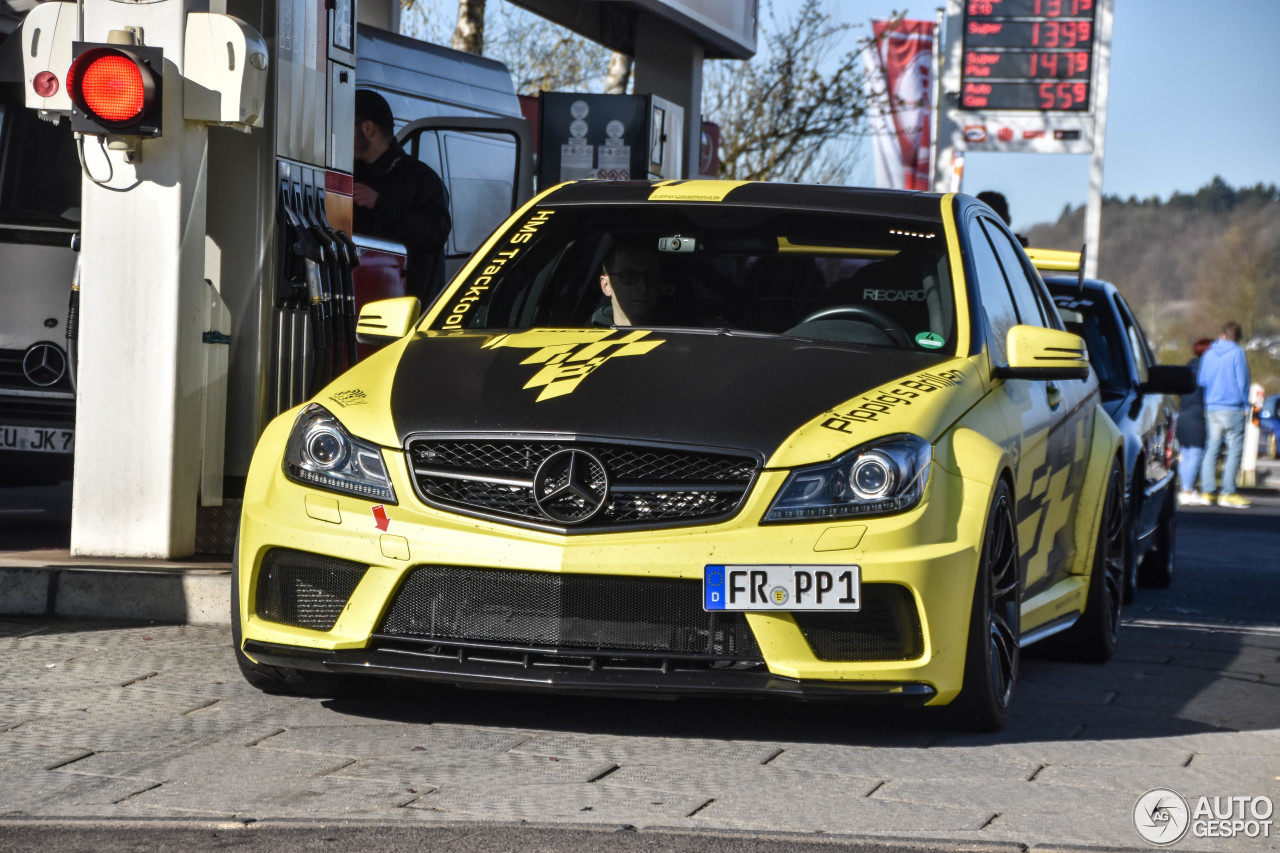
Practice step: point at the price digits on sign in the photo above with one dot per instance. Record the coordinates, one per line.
(1015, 64)
(1030, 8)
(1028, 55)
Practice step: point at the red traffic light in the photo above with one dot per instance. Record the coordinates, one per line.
(110, 86)
(115, 89)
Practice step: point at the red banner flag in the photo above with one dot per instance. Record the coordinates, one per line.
(898, 87)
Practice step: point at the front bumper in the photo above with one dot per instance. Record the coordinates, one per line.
(930, 553)
(526, 670)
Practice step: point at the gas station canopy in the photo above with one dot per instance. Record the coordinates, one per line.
(726, 29)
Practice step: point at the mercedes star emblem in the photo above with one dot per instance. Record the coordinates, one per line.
(571, 486)
(44, 364)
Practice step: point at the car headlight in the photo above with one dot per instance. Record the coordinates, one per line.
(883, 477)
(321, 453)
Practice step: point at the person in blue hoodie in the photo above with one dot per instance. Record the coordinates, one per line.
(1224, 376)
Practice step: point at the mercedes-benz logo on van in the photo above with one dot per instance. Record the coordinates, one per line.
(571, 486)
(44, 364)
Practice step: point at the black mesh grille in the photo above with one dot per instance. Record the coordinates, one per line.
(648, 486)
(886, 628)
(305, 590)
(552, 611)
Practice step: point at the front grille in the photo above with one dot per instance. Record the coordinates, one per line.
(305, 590)
(546, 611)
(49, 412)
(886, 628)
(647, 486)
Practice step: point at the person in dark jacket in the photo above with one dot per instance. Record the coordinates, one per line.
(1191, 434)
(398, 197)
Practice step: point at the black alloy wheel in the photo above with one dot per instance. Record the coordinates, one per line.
(992, 653)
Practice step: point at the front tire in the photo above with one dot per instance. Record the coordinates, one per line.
(995, 622)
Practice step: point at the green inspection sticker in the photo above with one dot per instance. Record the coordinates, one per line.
(929, 340)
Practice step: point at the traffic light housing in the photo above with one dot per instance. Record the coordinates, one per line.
(116, 89)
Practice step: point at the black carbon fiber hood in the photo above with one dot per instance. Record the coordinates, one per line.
(705, 389)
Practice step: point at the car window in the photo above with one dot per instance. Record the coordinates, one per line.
(847, 279)
(1104, 340)
(1030, 312)
(997, 304)
(1137, 339)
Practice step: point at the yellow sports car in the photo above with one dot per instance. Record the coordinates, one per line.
(697, 437)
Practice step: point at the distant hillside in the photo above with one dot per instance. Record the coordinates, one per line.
(1189, 264)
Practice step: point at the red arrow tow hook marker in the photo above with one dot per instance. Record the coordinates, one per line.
(380, 517)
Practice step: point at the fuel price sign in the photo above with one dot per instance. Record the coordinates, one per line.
(1034, 55)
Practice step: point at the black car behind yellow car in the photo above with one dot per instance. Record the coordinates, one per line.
(1140, 396)
(844, 449)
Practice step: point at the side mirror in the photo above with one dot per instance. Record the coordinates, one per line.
(387, 320)
(1169, 379)
(1037, 353)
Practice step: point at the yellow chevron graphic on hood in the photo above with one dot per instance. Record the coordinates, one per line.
(571, 355)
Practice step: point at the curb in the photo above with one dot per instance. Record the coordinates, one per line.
(197, 596)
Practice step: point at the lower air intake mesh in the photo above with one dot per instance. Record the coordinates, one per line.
(305, 590)
(545, 610)
(886, 628)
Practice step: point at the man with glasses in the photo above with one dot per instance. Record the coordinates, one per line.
(632, 279)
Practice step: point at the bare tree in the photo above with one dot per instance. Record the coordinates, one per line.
(619, 76)
(468, 33)
(795, 111)
(544, 56)
(1237, 280)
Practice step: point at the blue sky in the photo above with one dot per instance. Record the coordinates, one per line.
(1195, 92)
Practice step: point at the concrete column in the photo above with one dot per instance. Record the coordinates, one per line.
(668, 63)
(141, 382)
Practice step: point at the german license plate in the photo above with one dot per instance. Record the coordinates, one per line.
(37, 439)
(781, 588)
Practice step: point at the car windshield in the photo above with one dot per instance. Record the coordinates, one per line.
(850, 279)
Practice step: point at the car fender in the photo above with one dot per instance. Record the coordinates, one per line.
(1107, 442)
(924, 403)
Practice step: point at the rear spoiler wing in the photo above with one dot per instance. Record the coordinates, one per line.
(1056, 260)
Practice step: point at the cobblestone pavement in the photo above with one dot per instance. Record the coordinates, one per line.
(103, 720)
